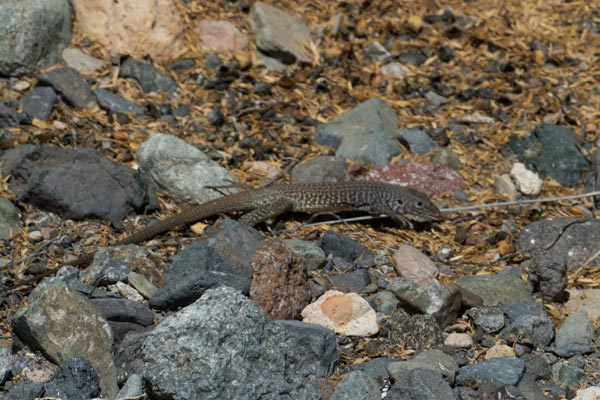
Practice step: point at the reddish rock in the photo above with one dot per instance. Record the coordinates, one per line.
(279, 280)
(221, 36)
(426, 177)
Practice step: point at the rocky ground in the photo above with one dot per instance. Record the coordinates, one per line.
(114, 115)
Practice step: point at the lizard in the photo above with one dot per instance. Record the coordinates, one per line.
(402, 204)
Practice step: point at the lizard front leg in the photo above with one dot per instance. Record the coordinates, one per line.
(261, 214)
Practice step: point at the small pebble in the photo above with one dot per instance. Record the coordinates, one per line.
(459, 340)
(35, 236)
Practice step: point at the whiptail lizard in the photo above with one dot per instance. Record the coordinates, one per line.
(402, 204)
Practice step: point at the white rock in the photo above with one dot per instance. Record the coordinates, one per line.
(345, 313)
(591, 393)
(528, 182)
(505, 186)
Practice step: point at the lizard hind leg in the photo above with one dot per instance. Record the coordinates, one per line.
(264, 213)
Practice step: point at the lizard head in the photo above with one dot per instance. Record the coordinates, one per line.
(406, 203)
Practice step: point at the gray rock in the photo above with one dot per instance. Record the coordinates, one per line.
(504, 287)
(350, 282)
(75, 183)
(375, 52)
(530, 330)
(133, 388)
(516, 310)
(434, 360)
(53, 312)
(440, 301)
(417, 141)
(5, 364)
(357, 385)
(567, 375)
(317, 345)
(116, 104)
(311, 253)
(223, 346)
(418, 332)
(111, 264)
(415, 58)
(219, 257)
(346, 248)
(25, 389)
(75, 379)
(552, 151)
(529, 388)
(495, 372)
(39, 102)
(421, 384)
(537, 366)
(279, 34)
(376, 368)
(366, 133)
(32, 34)
(149, 78)
(320, 169)
(435, 99)
(576, 328)
(181, 171)
(491, 320)
(124, 310)
(10, 223)
(558, 246)
(9, 117)
(384, 302)
(86, 64)
(71, 85)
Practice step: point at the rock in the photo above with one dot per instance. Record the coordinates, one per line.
(530, 330)
(320, 169)
(417, 141)
(54, 310)
(357, 385)
(491, 320)
(220, 257)
(505, 185)
(132, 388)
(112, 264)
(552, 151)
(279, 280)
(495, 372)
(376, 368)
(5, 363)
(591, 393)
(280, 35)
(116, 104)
(366, 133)
(428, 178)
(414, 58)
(75, 183)
(77, 59)
(69, 83)
(557, 246)
(567, 375)
(384, 302)
(354, 281)
(440, 301)
(413, 265)
(39, 102)
(10, 223)
(142, 284)
(375, 52)
(148, 77)
(346, 314)
(459, 340)
(316, 344)
(418, 332)
(420, 384)
(394, 70)
(181, 171)
(504, 287)
(25, 389)
(123, 310)
(434, 360)
(75, 379)
(310, 252)
(587, 300)
(156, 30)
(448, 158)
(221, 36)
(528, 182)
(498, 351)
(576, 328)
(346, 248)
(32, 34)
(222, 346)
(435, 99)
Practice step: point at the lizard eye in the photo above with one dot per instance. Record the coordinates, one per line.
(419, 204)
(400, 202)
